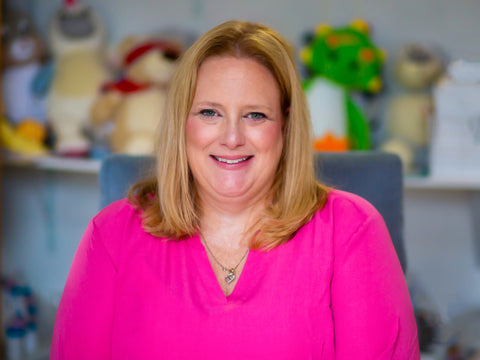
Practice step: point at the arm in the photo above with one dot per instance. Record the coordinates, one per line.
(372, 311)
(83, 325)
(104, 107)
(357, 124)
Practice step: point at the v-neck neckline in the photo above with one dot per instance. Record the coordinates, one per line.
(246, 280)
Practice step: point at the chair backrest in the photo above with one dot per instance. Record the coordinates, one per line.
(374, 176)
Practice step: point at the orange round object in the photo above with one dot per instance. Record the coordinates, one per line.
(32, 130)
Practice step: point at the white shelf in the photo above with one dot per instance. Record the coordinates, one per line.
(92, 166)
(55, 163)
(459, 182)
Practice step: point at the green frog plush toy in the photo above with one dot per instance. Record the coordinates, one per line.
(341, 61)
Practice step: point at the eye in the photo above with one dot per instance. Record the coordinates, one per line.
(170, 55)
(208, 112)
(256, 116)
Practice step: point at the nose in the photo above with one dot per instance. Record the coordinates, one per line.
(233, 132)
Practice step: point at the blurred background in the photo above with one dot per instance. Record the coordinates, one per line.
(426, 110)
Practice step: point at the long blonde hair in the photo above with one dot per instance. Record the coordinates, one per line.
(169, 202)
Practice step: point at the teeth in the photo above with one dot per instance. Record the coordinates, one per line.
(231, 161)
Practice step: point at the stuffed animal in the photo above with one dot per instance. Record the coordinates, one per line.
(134, 103)
(19, 319)
(24, 139)
(77, 39)
(416, 69)
(22, 60)
(341, 61)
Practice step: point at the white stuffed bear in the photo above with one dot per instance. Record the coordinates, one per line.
(76, 37)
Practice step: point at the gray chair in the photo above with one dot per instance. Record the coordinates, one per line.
(375, 176)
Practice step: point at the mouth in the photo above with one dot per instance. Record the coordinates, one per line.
(231, 161)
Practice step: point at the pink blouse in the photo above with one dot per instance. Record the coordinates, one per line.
(335, 291)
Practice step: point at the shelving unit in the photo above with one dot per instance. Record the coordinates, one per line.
(55, 163)
(92, 166)
(443, 183)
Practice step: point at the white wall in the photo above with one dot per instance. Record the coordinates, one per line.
(43, 217)
(451, 24)
(441, 250)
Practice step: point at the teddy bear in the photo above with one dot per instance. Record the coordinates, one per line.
(416, 69)
(341, 61)
(76, 38)
(134, 102)
(23, 53)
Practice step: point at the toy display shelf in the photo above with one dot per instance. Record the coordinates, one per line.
(54, 163)
(92, 166)
(450, 182)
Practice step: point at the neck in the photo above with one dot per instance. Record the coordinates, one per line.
(227, 229)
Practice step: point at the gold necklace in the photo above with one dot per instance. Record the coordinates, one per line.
(231, 272)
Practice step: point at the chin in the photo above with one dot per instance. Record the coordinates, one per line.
(230, 193)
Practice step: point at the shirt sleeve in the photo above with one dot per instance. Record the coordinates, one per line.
(372, 311)
(83, 324)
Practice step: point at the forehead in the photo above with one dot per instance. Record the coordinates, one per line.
(229, 65)
(236, 75)
(232, 57)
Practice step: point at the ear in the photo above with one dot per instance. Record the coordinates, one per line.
(127, 44)
(361, 26)
(322, 29)
(306, 55)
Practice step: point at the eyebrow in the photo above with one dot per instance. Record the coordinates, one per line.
(249, 107)
(208, 103)
(259, 107)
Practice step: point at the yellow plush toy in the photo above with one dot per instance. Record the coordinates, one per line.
(23, 139)
(135, 102)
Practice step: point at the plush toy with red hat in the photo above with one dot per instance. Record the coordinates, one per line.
(134, 103)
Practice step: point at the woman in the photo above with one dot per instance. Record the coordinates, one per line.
(235, 251)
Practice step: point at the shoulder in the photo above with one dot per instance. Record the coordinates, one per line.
(348, 206)
(116, 225)
(343, 215)
(116, 215)
(347, 216)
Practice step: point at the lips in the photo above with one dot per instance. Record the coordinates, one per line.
(230, 160)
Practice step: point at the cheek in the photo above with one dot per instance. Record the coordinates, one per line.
(195, 134)
(192, 145)
(189, 133)
(272, 139)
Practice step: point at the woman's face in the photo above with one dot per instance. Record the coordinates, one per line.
(234, 130)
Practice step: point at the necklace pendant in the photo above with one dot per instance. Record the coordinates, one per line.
(230, 276)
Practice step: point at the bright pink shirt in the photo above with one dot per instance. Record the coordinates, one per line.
(335, 291)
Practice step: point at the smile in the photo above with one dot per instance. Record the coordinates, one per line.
(231, 161)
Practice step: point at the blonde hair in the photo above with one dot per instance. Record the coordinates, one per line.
(169, 202)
